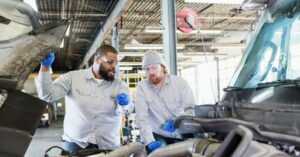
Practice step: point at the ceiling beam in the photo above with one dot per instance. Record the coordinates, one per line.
(180, 54)
(140, 64)
(80, 14)
(227, 17)
(109, 23)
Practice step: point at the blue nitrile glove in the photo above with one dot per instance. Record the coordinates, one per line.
(48, 60)
(169, 126)
(154, 145)
(122, 99)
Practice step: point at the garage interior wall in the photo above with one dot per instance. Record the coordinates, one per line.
(203, 78)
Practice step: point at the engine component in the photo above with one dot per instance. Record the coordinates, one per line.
(134, 148)
(187, 148)
(239, 143)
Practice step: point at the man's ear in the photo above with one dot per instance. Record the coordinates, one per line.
(97, 59)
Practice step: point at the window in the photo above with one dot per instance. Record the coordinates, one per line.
(274, 55)
(293, 70)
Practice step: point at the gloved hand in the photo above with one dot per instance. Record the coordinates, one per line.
(169, 126)
(154, 145)
(48, 60)
(122, 99)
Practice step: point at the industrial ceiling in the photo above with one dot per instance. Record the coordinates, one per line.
(139, 23)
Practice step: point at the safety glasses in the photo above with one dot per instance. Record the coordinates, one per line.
(109, 61)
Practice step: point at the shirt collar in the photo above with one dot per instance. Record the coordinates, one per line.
(89, 73)
(167, 79)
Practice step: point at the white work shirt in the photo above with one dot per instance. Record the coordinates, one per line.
(91, 114)
(155, 106)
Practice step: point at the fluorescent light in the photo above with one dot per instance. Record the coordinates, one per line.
(131, 54)
(32, 3)
(179, 54)
(221, 46)
(139, 63)
(201, 54)
(125, 68)
(216, 1)
(79, 14)
(227, 17)
(148, 46)
(142, 72)
(203, 31)
(153, 30)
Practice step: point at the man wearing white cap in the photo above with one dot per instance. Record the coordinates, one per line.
(161, 98)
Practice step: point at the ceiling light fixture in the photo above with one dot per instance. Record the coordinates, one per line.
(125, 68)
(227, 46)
(227, 17)
(216, 1)
(202, 31)
(148, 46)
(131, 54)
(179, 54)
(139, 63)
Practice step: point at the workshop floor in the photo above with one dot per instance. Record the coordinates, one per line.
(44, 138)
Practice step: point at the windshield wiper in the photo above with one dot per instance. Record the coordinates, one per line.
(279, 83)
(232, 88)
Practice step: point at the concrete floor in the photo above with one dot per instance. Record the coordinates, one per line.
(44, 138)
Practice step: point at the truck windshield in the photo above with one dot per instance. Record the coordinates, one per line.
(274, 55)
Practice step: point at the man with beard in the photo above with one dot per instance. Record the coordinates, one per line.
(160, 98)
(94, 100)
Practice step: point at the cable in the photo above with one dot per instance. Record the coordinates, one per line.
(206, 60)
(63, 151)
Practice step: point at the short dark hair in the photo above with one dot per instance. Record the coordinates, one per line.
(104, 49)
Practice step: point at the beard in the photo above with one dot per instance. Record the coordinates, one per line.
(105, 74)
(155, 79)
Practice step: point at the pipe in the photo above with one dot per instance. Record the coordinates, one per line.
(187, 148)
(26, 9)
(134, 148)
(178, 149)
(23, 8)
(168, 134)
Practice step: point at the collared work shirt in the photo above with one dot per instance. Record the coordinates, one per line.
(155, 106)
(91, 114)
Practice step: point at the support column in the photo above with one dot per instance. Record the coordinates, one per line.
(115, 44)
(110, 21)
(169, 34)
(218, 78)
